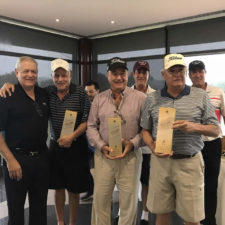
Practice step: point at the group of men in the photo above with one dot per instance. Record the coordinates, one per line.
(176, 181)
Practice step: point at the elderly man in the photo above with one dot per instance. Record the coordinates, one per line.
(24, 119)
(68, 157)
(212, 145)
(141, 72)
(177, 180)
(123, 170)
(69, 167)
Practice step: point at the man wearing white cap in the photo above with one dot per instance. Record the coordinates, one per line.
(177, 180)
(68, 156)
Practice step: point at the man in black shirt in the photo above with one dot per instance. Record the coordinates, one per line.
(68, 156)
(24, 121)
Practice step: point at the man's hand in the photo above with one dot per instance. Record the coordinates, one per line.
(162, 155)
(184, 126)
(106, 150)
(128, 146)
(7, 88)
(66, 141)
(14, 168)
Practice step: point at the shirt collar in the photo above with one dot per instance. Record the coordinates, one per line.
(123, 93)
(72, 88)
(186, 91)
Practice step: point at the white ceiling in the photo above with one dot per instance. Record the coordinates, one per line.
(92, 17)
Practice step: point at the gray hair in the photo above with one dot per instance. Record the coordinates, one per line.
(24, 58)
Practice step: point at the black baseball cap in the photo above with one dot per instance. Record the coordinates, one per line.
(196, 64)
(115, 63)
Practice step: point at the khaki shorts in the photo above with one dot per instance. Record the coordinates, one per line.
(177, 185)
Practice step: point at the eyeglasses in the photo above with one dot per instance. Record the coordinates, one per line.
(176, 71)
(120, 115)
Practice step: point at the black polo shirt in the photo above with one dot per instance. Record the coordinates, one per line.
(25, 121)
(76, 100)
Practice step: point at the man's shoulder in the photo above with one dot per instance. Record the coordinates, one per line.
(150, 90)
(139, 94)
(196, 90)
(214, 89)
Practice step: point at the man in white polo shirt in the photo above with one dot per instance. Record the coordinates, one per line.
(212, 145)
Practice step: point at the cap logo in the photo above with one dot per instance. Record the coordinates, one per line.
(142, 63)
(117, 61)
(174, 58)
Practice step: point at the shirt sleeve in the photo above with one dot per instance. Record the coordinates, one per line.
(209, 116)
(222, 106)
(145, 115)
(3, 113)
(137, 140)
(85, 105)
(92, 133)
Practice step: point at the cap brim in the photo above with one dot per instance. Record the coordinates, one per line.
(117, 66)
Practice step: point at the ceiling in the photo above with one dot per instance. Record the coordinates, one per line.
(91, 18)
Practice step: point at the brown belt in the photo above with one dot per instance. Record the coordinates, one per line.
(182, 156)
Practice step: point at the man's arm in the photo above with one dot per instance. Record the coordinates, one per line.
(7, 88)
(14, 168)
(203, 129)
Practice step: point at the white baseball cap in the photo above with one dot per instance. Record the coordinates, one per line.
(172, 60)
(59, 63)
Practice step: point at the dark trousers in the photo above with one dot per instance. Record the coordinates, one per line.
(212, 158)
(34, 182)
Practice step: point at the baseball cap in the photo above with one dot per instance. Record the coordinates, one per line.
(196, 64)
(141, 65)
(59, 63)
(172, 60)
(115, 63)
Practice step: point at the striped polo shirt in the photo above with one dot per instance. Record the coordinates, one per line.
(193, 104)
(76, 100)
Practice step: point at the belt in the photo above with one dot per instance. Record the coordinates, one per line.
(182, 156)
(27, 152)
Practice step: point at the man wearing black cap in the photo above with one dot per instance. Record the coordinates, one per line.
(212, 145)
(123, 170)
(141, 71)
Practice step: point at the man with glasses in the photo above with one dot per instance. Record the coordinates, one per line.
(123, 170)
(212, 145)
(24, 119)
(141, 72)
(177, 180)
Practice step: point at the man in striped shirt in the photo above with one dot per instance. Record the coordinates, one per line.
(212, 145)
(177, 180)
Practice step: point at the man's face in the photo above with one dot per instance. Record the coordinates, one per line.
(61, 79)
(175, 76)
(118, 79)
(27, 74)
(141, 77)
(198, 78)
(91, 92)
